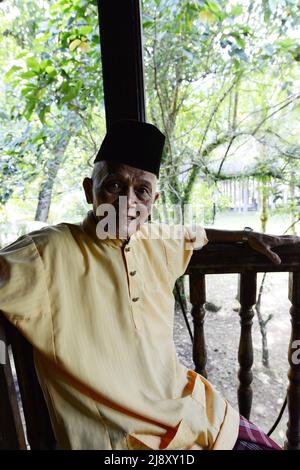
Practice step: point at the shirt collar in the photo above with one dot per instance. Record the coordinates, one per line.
(89, 225)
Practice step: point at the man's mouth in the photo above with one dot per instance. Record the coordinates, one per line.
(128, 219)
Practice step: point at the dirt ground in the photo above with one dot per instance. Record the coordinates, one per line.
(222, 337)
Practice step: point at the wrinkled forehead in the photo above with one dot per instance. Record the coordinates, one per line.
(105, 169)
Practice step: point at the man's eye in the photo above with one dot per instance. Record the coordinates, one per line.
(142, 191)
(114, 187)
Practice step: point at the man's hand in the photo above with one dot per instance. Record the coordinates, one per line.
(258, 241)
(264, 244)
(4, 271)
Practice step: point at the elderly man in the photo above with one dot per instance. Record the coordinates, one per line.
(95, 300)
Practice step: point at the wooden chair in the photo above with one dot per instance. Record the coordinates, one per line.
(24, 418)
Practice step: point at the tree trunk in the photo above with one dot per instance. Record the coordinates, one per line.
(294, 215)
(50, 172)
(264, 206)
(263, 325)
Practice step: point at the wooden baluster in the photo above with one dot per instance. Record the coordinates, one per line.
(197, 298)
(293, 392)
(247, 298)
(11, 430)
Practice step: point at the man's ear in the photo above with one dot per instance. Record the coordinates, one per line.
(88, 189)
(156, 197)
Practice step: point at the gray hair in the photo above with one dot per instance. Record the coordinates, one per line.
(98, 166)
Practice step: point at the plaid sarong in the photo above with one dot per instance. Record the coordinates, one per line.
(252, 438)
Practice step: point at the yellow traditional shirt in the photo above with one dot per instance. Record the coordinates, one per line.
(100, 318)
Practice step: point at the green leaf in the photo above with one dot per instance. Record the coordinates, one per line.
(33, 64)
(236, 10)
(29, 90)
(86, 30)
(95, 39)
(11, 72)
(239, 40)
(78, 85)
(29, 109)
(28, 74)
(42, 113)
(70, 95)
(64, 87)
(286, 43)
(21, 55)
(74, 44)
(45, 64)
(213, 6)
(50, 70)
(147, 24)
(246, 30)
(38, 137)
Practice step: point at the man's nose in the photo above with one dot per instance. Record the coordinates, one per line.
(131, 198)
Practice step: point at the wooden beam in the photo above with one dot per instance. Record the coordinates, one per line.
(122, 59)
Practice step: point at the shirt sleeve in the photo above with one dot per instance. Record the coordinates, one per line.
(181, 243)
(25, 293)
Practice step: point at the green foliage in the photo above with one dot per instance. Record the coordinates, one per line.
(64, 68)
(219, 74)
(221, 82)
(206, 196)
(53, 87)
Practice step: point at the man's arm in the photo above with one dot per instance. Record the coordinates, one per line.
(258, 241)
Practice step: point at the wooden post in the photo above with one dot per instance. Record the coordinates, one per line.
(235, 194)
(197, 298)
(246, 194)
(231, 194)
(293, 392)
(241, 195)
(11, 430)
(247, 298)
(122, 59)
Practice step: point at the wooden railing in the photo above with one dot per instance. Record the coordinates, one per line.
(239, 258)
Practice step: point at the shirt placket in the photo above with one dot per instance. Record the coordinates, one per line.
(133, 284)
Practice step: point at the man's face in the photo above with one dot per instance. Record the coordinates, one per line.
(129, 190)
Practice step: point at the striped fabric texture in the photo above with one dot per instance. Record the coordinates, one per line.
(252, 438)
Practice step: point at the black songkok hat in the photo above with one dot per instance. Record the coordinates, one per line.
(133, 143)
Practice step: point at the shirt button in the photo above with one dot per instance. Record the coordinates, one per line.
(135, 299)
(132, 273)
(127, 248)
